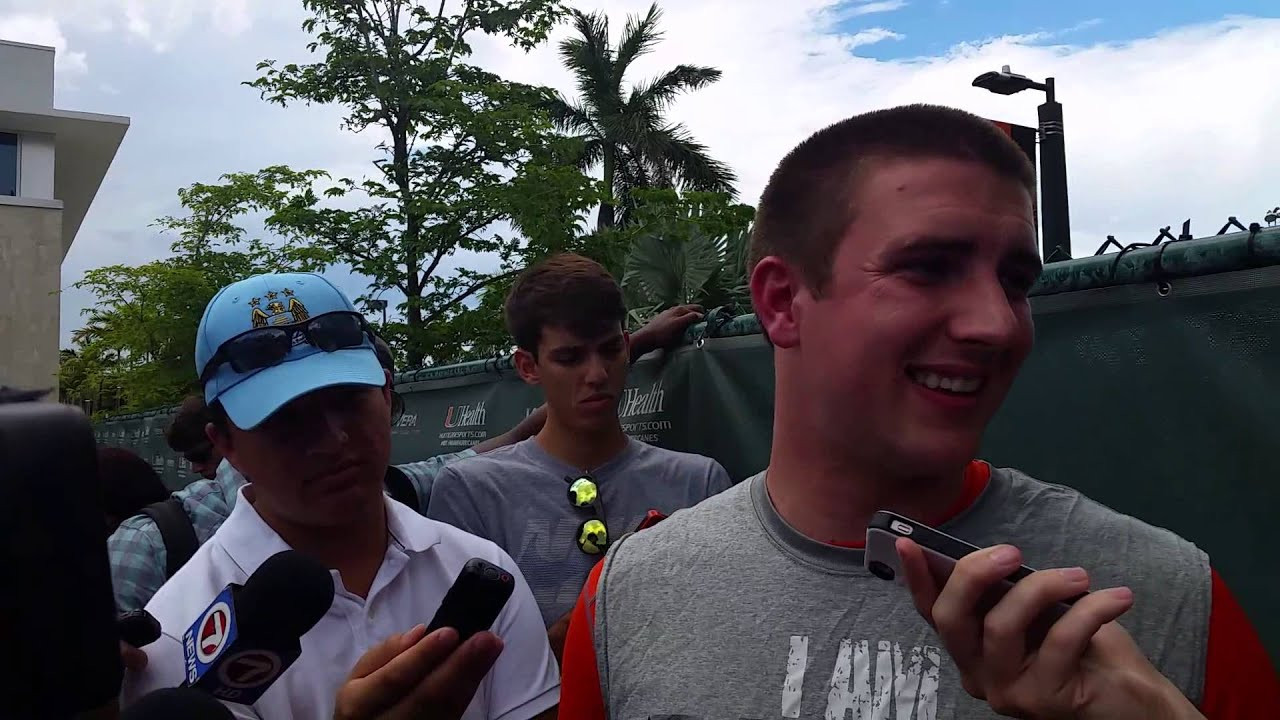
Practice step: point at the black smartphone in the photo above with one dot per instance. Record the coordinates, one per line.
(475, 600)
(942, 552)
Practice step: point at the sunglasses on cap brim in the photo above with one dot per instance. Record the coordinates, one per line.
(592, 537)
(265, 347)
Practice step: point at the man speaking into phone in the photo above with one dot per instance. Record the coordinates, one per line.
(892, 256)
(300, 403)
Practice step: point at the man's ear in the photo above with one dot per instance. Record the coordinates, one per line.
(774, 287)
(526, 365)
(220, 438)
(386, 385)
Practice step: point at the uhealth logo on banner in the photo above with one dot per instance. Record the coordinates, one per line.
(641, 413)
(464, 425)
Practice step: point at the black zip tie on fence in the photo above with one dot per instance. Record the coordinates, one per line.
(1057, 250)
(1250, 245)
(1123, 251)
(1160, 275)
(1233, 222)
(497, 364)
(714, 323)
(1111, 240)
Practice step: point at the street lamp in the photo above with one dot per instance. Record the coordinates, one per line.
(1056, 242)
(380, 305)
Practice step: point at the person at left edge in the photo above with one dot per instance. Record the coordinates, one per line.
(139, 558)
(301, 405)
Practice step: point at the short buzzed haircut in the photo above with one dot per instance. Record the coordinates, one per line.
(566, 291)
(810, 201)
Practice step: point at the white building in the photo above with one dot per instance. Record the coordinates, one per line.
(51, 164)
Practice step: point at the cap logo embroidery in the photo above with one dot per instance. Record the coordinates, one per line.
(277, 312)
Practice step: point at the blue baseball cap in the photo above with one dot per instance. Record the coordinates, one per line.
(267, 301)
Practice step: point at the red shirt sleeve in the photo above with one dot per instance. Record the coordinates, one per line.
(581, 697)
(1239, 680)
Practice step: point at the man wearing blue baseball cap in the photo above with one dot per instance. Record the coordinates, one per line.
(301, 405)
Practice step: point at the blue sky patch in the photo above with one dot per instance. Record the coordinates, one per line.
(914, 28)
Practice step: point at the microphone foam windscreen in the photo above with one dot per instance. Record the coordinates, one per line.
(176, 704)
(59, 613)
(285, 597)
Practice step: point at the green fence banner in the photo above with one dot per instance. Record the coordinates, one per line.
(1154, 388)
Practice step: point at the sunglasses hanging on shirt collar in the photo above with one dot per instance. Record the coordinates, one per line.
(592, 536)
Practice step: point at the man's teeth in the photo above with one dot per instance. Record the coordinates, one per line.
(935, 381)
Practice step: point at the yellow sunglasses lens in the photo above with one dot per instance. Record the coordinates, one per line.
(583, 492)
(593, 538)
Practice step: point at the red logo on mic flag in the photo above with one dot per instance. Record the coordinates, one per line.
(214, 628)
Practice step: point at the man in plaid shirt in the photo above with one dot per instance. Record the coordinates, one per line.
(137, 550)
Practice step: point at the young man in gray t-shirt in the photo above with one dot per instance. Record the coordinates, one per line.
(892, 257)
(554, 502)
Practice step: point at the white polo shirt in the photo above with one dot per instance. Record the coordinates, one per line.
(422, 561)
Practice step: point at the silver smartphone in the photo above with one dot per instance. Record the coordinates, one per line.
(941, 552)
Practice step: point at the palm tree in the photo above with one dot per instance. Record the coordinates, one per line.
(625, 132)
(666, 267)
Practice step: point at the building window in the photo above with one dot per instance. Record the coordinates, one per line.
(8, 164)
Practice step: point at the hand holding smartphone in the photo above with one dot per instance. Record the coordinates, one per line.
(475, 600)
(942, 552)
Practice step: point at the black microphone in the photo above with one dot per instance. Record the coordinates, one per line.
(58, 636)
(138, 628)
(176, 704)
(249, 635)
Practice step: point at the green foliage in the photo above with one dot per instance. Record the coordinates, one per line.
(689, 248)
(135, 348)
(625, 133)
(470, 162)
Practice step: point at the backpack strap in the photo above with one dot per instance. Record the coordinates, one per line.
(400, 488)
(176, 530)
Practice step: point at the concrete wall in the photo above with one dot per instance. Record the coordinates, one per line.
(30, 276)
(26, 77)
(35, 165)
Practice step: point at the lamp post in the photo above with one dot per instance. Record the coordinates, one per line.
(1056, 243)
(380, 304)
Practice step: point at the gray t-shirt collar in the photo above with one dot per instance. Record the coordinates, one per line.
(540, 455)
(833, 558)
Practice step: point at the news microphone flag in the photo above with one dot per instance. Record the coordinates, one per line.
(249, 635)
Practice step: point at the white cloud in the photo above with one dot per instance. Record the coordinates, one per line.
(45, 30)
(870, 37)
(1177, 125)
(872, 7)
(158, 23)
(1158, 129)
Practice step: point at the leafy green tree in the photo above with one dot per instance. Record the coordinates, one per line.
(469, 163)
(625, 132)
(135, 348)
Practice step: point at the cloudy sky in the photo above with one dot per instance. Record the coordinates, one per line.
(1171, 108)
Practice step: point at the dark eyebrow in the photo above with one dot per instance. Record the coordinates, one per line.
(562, 349)
(932, 244)
(1020, 258)
(1025, 260)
